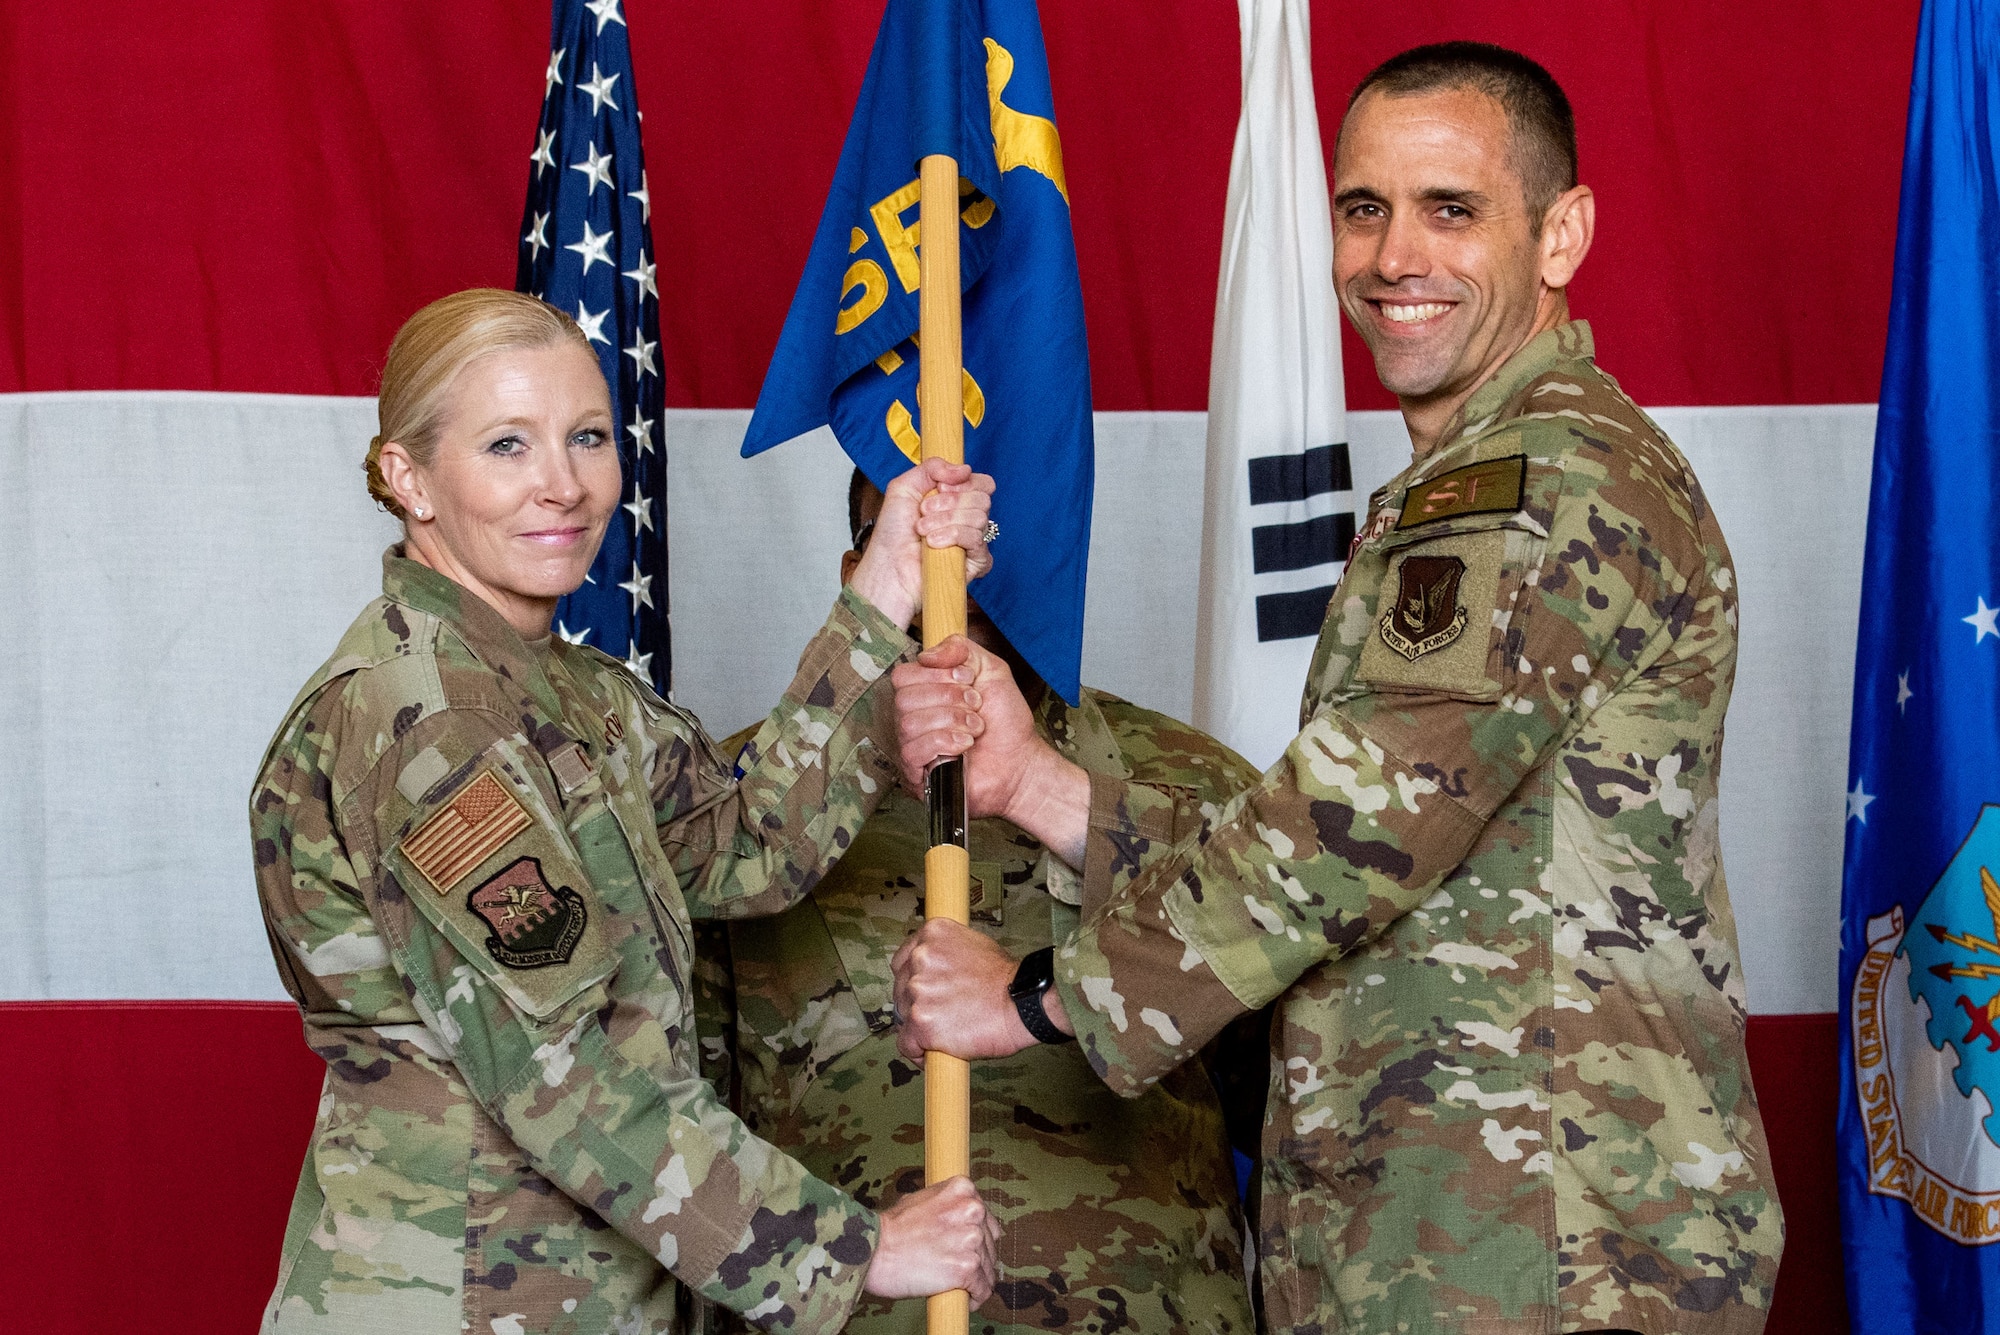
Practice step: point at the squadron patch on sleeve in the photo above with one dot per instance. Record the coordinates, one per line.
(468, 830)
(534, 924)
(1426, 615)
(1492, 486)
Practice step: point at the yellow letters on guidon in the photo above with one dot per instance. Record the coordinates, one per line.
(903, 428)
(868, 276)
(1019, 140)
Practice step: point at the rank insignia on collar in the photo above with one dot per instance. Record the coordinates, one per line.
(1425, 616)
(533, 923)
(614, 729)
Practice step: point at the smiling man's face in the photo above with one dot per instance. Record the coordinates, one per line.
(1436, 258)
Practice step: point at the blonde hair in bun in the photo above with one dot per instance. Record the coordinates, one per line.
(429, 351)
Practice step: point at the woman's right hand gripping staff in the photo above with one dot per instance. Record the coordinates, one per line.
(939, 1239)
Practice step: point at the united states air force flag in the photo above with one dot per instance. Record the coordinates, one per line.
(1920, 935)
(970, 80)
(1278, 513)
(587, 247)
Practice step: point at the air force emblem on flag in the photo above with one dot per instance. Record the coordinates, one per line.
(1926, 1009)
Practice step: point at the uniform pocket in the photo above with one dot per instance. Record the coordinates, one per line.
(802, 1000)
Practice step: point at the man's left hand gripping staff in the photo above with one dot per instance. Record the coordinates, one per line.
(951, 991)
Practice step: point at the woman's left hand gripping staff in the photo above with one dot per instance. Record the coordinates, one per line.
(936, 505)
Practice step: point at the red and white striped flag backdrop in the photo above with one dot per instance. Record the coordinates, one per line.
(211, 223)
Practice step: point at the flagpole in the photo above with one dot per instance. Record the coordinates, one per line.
(948, 863)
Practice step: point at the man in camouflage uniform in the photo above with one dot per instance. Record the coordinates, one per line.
(477, 856)
(1118, 1214)
(1483, 882)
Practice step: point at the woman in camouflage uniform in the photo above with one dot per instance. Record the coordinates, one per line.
(478, 848)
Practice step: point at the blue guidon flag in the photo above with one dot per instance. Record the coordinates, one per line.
(587, 247)
(1920, 931)
(968, 79)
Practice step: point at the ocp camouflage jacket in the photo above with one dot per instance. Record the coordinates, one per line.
(1510, 1088)
(1117, 1213)
(477, 860)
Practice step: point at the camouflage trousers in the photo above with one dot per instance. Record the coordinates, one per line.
(1075, 1178)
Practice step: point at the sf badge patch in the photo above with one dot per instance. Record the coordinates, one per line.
(1425, 616)
(533, 923)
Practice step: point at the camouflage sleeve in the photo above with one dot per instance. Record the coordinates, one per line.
(1390, 782)
(1181, 779)
(750, 834)
(715, 1009)
(328, 950)
(1132, 825)
(555, 1011)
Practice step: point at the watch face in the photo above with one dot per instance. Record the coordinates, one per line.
(1031, 980)
(1034, 975)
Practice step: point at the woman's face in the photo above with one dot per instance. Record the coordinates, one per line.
(523, 482)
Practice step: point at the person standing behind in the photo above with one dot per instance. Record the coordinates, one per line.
(477, 849)
(1484, 880)
(1118, 1215)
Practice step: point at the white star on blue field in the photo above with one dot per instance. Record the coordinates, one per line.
(586, 247)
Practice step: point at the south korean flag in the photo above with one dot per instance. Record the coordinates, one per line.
(1279, 500)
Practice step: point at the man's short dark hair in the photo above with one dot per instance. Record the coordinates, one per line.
(858, 486)
(1538, 113)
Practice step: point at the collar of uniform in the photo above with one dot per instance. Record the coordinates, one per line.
(1082, 733)
(1568, 341)
(485, 632)
(583, 691)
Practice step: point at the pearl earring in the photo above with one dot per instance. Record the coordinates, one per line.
(420, 512)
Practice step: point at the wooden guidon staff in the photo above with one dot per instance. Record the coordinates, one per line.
(948, 864)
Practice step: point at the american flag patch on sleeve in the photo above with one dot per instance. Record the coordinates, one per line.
(471, 828)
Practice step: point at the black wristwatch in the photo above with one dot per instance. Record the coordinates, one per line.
(1035, 976)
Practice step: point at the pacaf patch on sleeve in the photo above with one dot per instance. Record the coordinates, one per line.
(1440, 603)
(1461, 552)
(1425, 614)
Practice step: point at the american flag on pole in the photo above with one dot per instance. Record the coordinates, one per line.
(587, 247)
